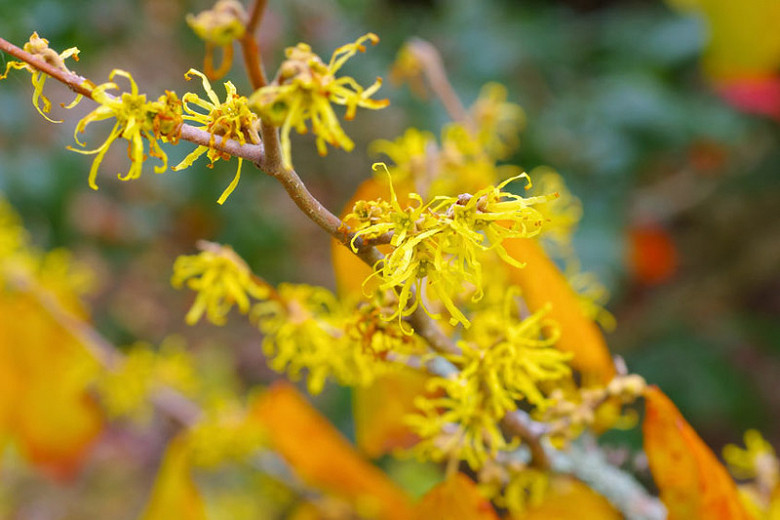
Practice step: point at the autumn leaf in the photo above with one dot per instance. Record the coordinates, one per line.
(455, 498)
(323, 458)
(570, 499)
(652, 256)
(693, 484)
(543, 283)
(743, 52)
(46, 407)
(174, 494)
(380, 409)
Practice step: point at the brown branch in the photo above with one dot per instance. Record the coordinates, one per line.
(267, 157)
(518, 423)
(433, 67)
(250, 47)
(75, 82)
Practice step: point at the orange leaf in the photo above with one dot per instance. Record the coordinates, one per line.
(693, 484)
(323, 458)
(570, 499)
(455, 498)
(45, 403)
(380, 409)
(542, 282)
(174, 494)
(652, 256)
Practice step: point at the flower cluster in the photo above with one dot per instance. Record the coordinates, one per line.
(221, 280)
(219, 27)
(136, 119)
(227, 431)
(305, 329)
(503, 360)
(231, 119)
(304, 89)
(436, 245)
(569, 412)
(125, 390)
(39, 47)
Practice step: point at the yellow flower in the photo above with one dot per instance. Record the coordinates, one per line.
(125, 390)
(499, 123)
(219, 27)
(304, 89)
(411, 154)
(136, 119)
(436, 245)
(562, 214)
(220, 278)
(231, 119)
(503, 360)
(304, 329)
(757, 459)
(39, 47)
(227, 432)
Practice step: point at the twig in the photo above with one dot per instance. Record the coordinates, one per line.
(431, 61)
(250, 47)
(519, 424)
(83, 86)
(618, 486)
(268, 158)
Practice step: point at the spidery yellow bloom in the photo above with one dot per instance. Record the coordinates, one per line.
(513, 485)
(304, 89)
(304, 329)
(125, 389)
(221, 280)
(219, 27)
(136, 119)
(757, 459)
(231, 119)
(39, 47)
(436, 245)
(499, 122)
(226, 433)
(503, 360)
(411, 154)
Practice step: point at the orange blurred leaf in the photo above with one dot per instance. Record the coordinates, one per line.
(455, 498)
(693, 484)
(174, 494)
(323, 458)
(380, 409)
(542, 282)
(570, 499)
(652, 256)
(45, 403)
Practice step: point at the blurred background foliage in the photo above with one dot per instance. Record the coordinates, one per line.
(680, 190)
